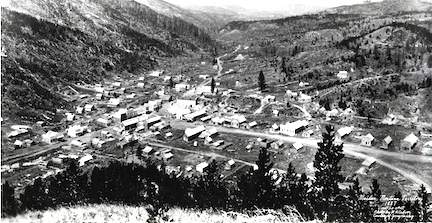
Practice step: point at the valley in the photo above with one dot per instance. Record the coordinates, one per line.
(95, 83)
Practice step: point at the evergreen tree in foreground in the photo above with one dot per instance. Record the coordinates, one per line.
(212, 85)
(263, 179)
(9, 205)
(422, 193)
(327, 175)
(261, 81)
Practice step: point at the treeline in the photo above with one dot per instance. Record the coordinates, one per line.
(149, 184)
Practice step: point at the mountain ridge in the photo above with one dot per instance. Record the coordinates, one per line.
(383, 7)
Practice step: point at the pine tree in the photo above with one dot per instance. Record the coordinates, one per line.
(359, 209)
(283, 67)
(287, 189)
(327, 175)
(375, 190)
(171, 83)
(9, 205)
(263, 179)
(212, 85)
(261, 81)
(422, 193)
(212, 186)
(247, 190)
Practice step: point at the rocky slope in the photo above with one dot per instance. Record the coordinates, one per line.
(49, 43)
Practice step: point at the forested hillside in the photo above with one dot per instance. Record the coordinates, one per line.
(47, 44)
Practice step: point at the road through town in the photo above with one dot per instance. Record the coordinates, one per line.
(356, 151)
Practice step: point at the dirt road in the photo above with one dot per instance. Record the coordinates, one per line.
(357, 151)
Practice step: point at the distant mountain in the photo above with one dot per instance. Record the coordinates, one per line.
(49, 44)
(384, 7)
(206, 21)
(229, 13)
(212, 18)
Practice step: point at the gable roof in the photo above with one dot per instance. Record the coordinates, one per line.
(388, 139)
(193, 131)
(369, 161)
(369, 137)
(344, 131)
(411, 138)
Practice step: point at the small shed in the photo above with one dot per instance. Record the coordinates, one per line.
(368, 162)
(229, 165)
(148, 150)
(202, 167)
(297, 146)
(386, 142)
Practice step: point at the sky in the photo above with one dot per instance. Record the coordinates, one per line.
(266, 4)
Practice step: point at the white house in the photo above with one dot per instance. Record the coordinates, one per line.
(342, 132)
(99, 96)
(179, 113)
(85, 159)
(195, 115)
(293, 128)
(51, 136)
(297, 146)
(201, 167)
(251, 124)
(88, 107)
(70, 117)
(114, 102)
(367, 140)
(103, 122)
(342, 74)
(76, 130)
(368, 162)
(229, 165)
(79, 110)
(409, 142)
(427, 148)
(140, 85)
(148, 150)
(156, 73)
(386, 142)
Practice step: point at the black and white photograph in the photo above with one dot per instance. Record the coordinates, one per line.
(228, 111)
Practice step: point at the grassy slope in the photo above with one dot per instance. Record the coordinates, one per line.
(120, 213)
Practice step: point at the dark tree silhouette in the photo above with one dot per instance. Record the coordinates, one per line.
(375, 190)
(327, 175)
(423, 195)
(263, 179)
(212, 85)
(9, 205)
(261, 81)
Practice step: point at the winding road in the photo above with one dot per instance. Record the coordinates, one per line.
(357, 151)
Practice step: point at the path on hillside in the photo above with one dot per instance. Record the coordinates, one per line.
(307, 115)
(349, 149)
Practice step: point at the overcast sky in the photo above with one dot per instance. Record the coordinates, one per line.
(266, 4)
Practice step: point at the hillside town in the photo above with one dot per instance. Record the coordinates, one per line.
(151, 117)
